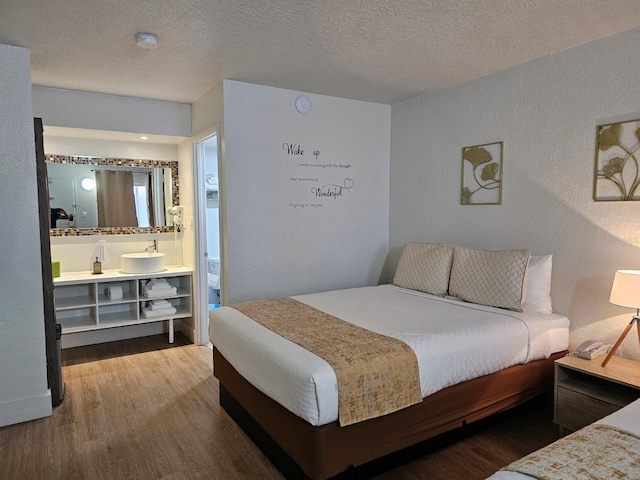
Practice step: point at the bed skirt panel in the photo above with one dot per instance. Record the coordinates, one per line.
(324, 451)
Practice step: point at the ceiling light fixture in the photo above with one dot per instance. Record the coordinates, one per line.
(146, 40)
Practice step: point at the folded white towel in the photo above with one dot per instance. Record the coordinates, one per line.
(158, 281)
(160, 288)
(165, 312)
(151, 293)
(114, 292)
(159, 304)
(213, 280)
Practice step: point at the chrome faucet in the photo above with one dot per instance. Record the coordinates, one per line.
(153, 248)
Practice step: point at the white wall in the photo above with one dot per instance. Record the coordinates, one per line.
(23, 378)
(207, 116)
(275, 249)
(207, 111)
(546, 112)
(74, 109)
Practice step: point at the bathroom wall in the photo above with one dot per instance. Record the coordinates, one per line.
(102, 119)
(77, 253)
(68, 141)
(546, 112)
(64, 179)
(306, 195)
(23, 378)
(110, 126)
(213, 204)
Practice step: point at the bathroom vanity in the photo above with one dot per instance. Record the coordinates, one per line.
(82, 303)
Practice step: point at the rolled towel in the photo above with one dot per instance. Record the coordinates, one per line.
(165, 312)
(114, 292)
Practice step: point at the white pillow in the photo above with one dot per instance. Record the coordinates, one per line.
(425, 267)
(493, 278)
(538, 285)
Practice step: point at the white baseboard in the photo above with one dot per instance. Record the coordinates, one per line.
(25, 409)
(189, 332)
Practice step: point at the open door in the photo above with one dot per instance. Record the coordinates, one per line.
(209, 234)
(52, 330)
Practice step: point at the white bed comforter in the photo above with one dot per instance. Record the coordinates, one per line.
(453, 341)
(627, 418)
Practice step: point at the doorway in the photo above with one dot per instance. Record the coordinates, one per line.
(208, 230)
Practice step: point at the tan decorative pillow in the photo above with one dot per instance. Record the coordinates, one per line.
(425, 267)
(493, 278)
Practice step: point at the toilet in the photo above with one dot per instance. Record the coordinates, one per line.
(213, 276)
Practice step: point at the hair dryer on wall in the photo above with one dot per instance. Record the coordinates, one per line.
(176, 214)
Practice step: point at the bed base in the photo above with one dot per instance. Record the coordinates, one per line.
(305, 451)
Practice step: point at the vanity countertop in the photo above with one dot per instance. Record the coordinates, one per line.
(115, 274)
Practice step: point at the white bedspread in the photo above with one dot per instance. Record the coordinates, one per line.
(627, 418)
(454, 342)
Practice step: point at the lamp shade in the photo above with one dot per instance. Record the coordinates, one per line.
(626, 289)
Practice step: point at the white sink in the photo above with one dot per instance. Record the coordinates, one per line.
(142, 262)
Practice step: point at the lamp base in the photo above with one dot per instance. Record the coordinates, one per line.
(636, 320)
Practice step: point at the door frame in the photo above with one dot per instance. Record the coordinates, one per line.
(200, 234)
(54, 372)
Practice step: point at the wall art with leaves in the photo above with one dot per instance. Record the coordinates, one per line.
(617, 175)
(482, 174)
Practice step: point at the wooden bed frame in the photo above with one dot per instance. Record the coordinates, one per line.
(325, 451)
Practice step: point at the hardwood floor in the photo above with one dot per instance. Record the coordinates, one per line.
(144, 409)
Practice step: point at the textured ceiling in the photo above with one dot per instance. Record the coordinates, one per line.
(379, 50)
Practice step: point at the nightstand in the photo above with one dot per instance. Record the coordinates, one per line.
(584, 391)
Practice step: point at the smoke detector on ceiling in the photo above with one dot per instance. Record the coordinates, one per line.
(303, 104)
(146, 40)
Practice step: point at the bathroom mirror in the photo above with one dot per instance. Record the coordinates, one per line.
(91, 195)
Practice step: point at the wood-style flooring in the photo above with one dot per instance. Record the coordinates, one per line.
(143, 409)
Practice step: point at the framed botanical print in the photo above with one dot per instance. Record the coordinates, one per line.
(617, 170)
(482, 174)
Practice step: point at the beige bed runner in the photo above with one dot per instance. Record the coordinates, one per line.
(376, 374)
(595, 452)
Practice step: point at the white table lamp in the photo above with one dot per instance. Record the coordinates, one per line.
(626, 293)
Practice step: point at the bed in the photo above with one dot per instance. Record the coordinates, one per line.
(589, 446)
(474, 359)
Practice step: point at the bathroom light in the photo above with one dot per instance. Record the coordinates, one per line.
(87, 183)
(146, 40)
(144, 137)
